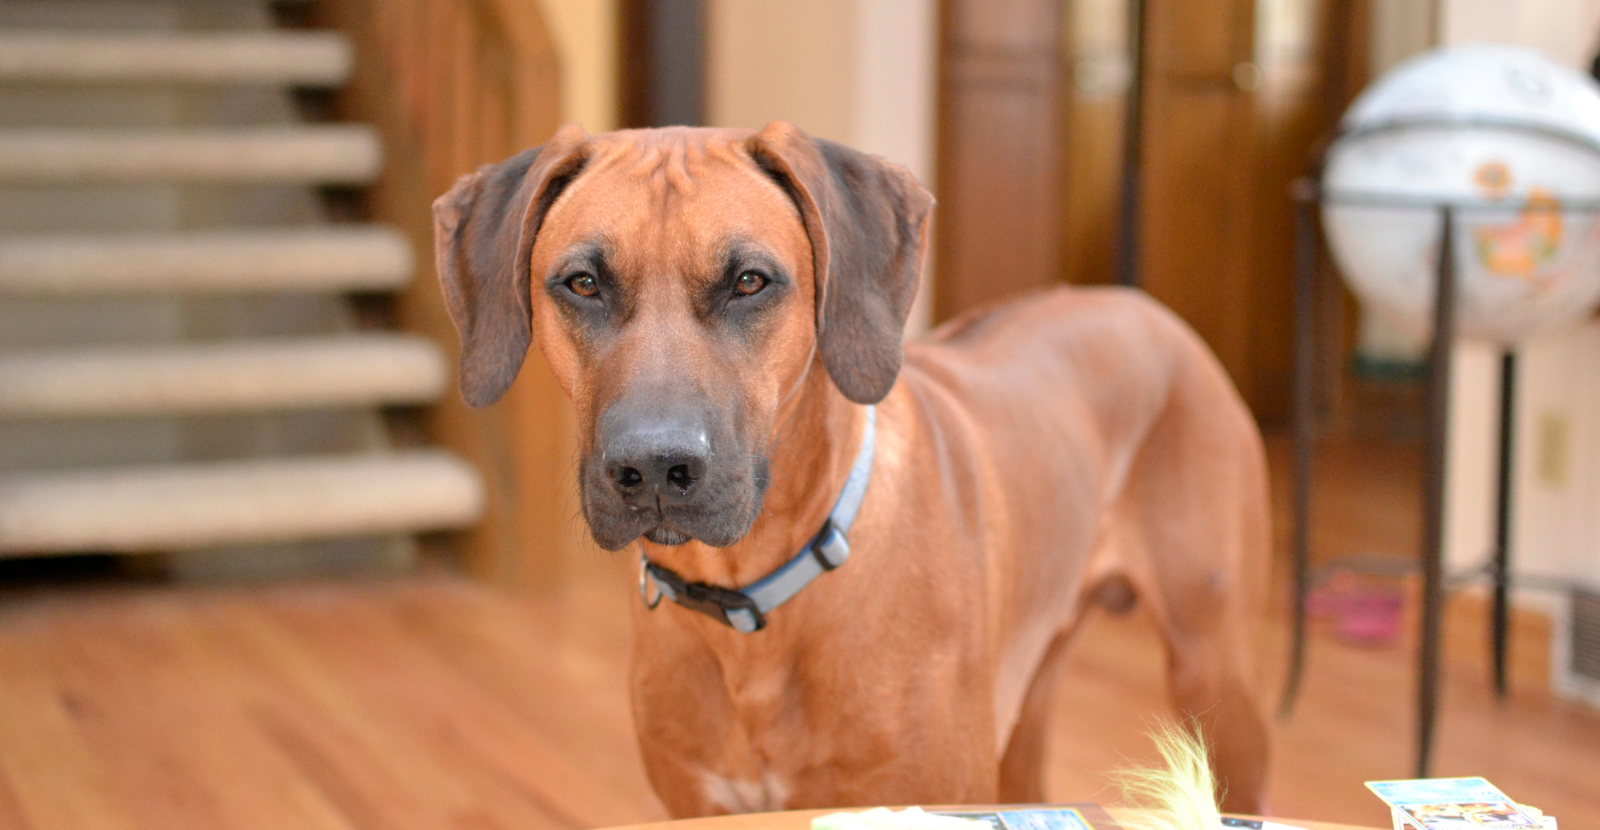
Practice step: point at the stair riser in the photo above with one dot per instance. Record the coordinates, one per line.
(225, 263)
(299, 59)
(326, 155)
(234, 504)
(238, 377)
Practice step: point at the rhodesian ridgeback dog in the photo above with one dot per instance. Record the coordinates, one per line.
(874, 556)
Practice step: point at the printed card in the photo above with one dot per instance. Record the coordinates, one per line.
(1055, 818)
(1452, 804)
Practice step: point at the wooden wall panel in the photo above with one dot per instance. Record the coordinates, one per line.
(1097, 62)
(1237, 96)
(1193, 225)
(452, 84)
(1198, 40)
(997, 227)
(1197, 150)
(1307, 81)
(1091, 169)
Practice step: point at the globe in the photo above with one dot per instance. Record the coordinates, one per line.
(1511, 137)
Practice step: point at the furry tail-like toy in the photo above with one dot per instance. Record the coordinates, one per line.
(1179, 795)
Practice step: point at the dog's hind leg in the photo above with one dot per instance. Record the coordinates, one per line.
(1022, 765)
(1196, 503)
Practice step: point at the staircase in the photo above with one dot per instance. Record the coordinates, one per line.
(182, 369)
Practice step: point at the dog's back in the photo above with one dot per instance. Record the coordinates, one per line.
(1120, 453)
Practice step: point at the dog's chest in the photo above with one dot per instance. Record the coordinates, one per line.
(771, 717)
(766, 793)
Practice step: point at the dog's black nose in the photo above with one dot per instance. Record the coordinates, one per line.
(659, 461)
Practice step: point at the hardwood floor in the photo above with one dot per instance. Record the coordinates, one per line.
(433, 702)
(424, 703)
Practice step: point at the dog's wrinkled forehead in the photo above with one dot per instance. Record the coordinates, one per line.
(851, 228)
(675, 162)
(671, 199)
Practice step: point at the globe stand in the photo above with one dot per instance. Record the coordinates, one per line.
(1308, 196)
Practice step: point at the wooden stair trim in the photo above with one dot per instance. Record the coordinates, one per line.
(192, 506)
(234, 375)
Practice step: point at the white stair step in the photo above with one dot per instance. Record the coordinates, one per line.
(353, 258)
(229, 376)
(287, 58)
(190, 506)
(301, 154)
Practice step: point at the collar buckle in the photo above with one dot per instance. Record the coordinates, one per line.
(830, 546)
(735, 608)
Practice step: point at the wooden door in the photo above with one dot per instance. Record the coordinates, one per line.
(1235, 93)
(1236, 97)
(1097, 59)
(996, 226)
(1198, 146)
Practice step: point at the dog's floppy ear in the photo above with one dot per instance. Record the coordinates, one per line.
(868, 223)
(483, 232)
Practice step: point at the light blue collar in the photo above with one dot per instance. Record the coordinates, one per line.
(745, 610)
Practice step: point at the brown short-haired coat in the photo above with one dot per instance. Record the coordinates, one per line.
(720, 305)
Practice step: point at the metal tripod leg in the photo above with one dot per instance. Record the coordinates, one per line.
(1305, 304)
(1499, 624)
(1433, 492)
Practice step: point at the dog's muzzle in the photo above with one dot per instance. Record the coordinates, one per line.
(745, 610)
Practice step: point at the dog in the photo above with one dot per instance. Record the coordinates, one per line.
(725, 309)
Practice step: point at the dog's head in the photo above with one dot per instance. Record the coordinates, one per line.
(681, 283)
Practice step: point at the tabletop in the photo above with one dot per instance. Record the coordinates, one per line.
(801, 820)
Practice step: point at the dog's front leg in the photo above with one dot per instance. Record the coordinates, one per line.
(696, 754)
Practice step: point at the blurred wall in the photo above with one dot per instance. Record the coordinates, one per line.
(1556, 497)
(1400, 29)
(585, 34)
(861, 72)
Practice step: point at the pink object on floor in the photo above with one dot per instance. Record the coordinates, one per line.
(1371, 618)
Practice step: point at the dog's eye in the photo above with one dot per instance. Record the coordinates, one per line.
(749, 283)
(584, 285)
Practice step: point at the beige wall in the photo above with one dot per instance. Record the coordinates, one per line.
(1401, 29)
(896, 81)
(855, 71)
(770, 59)
(585, 34)
(861, 72)
(1565, 30)
(1556, 510)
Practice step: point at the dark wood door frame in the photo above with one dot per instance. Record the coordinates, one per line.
(662, 63)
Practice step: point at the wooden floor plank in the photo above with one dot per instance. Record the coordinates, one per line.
(56, 779)
(436, 703)
(196, 753)
(562, 688)
(466, 728)
(367, 761)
